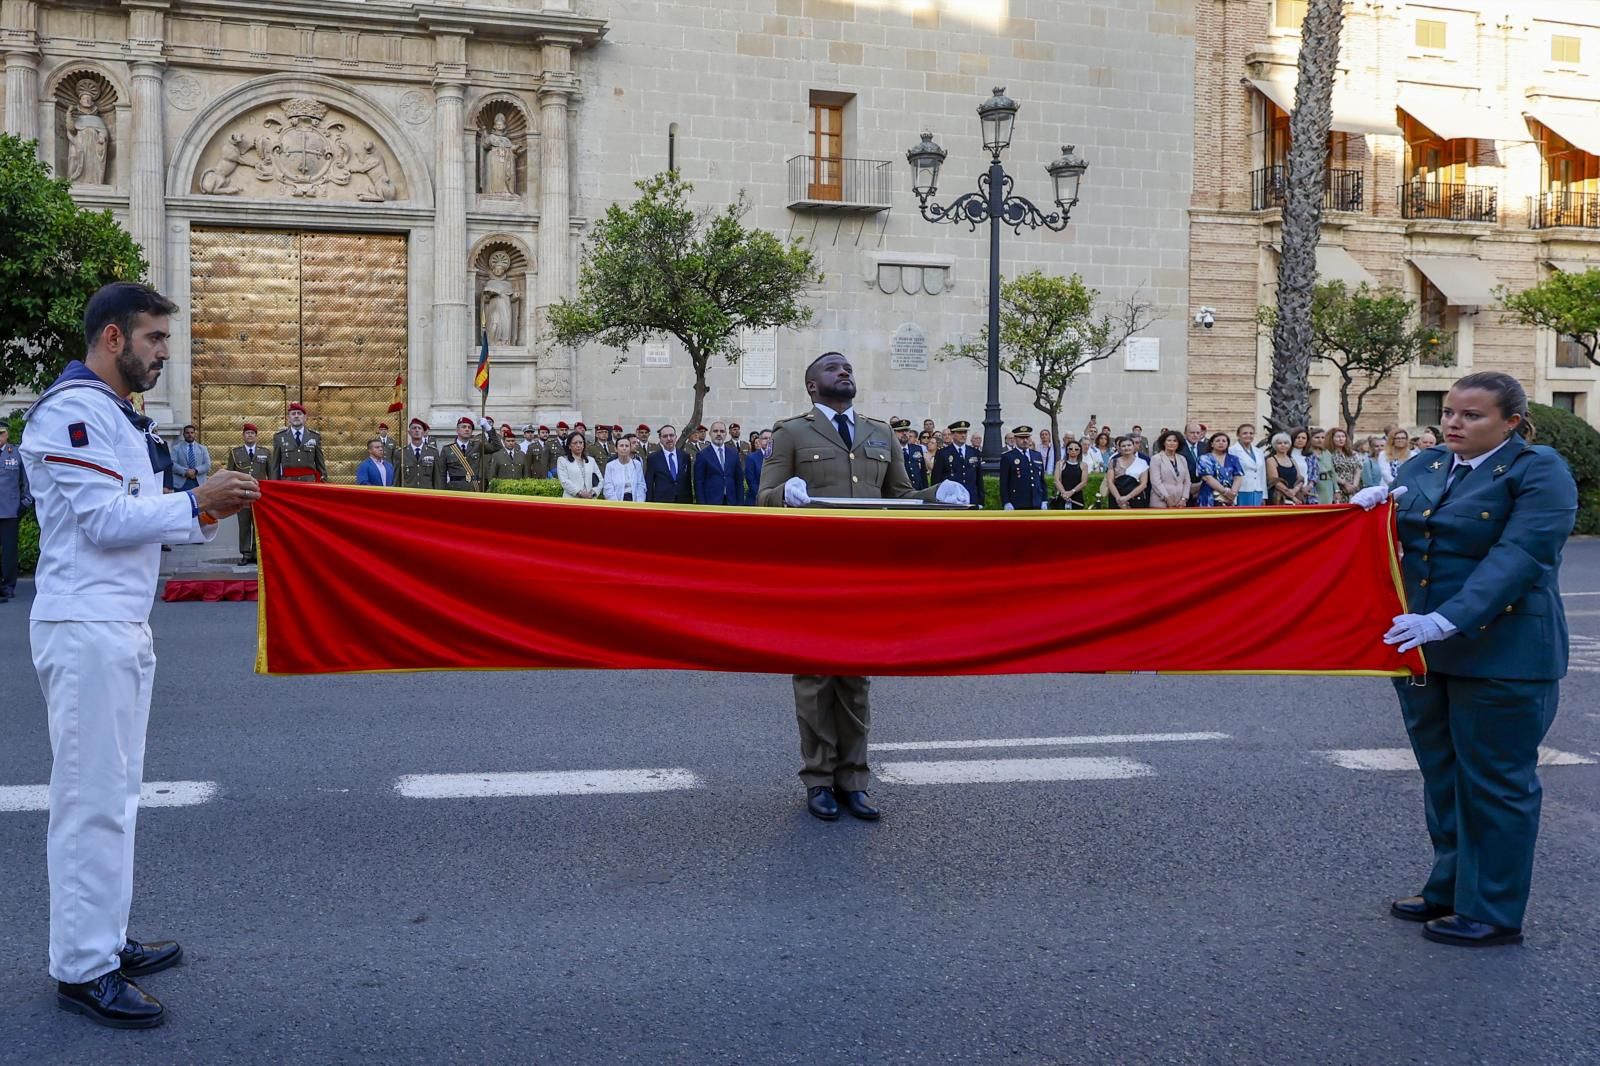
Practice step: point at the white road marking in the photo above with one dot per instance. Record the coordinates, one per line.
(1045, 742)
(550, 783)
(996, 771)
(153, 794)
(1402, 759)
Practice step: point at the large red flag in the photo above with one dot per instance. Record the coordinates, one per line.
(502, 582)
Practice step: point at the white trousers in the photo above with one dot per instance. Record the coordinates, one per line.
(96, 678)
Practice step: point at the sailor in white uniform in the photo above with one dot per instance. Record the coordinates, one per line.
(94, 465)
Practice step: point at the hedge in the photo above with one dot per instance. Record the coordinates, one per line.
(1579, 443)
(526, 486)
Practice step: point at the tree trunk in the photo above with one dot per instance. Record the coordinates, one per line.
(1290, 393)
(701, 389)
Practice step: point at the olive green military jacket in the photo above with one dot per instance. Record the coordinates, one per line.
(259, 468)
(506, 463)
(307, 454)
(420, 472)
(809, 446)
(475, 450)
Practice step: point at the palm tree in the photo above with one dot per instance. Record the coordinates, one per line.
(1292, 342)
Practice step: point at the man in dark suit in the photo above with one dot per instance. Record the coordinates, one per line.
(761, 448)
(718, 477)
(668, 471)
(1193, 448)
(1022, 474)
(375, 469)
(916, 469)
(958, 461)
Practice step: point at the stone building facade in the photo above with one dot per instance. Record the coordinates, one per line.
(344, 196)
(1465, 156)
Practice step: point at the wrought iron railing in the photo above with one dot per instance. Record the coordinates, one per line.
(1457, 203)
(829, 182)
(1343, 190)
(1565, 208)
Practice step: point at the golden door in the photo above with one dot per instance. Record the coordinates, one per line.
(316, 317)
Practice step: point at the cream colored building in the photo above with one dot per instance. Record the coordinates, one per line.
(346, 193)
(1465, 156)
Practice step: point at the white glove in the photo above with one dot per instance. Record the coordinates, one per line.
(794, 492)
(1368, 498)
(1412, 630)
(1045, 506)
(953, 492)
(1009, 507)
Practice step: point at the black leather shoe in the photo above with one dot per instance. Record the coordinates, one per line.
(1417, 909)
(112, 1000)
(1469, 933)
(856, 803)
(139, 959)
(819, 801)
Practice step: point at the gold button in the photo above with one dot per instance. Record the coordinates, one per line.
(1483, 627)
(854, 478)
(1424, 558)
(1484, 515)
(1428, 512)
(1427, 534)
(1424, 582)
(816, 457)
(1508, 609)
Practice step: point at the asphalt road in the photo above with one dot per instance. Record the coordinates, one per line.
(1185, 900)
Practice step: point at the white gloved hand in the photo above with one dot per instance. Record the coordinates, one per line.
(486, 423)
(1009, 507)
(1370, 497)
(953, 492)
(794, 492)
(1413, 630)
(1045, 506)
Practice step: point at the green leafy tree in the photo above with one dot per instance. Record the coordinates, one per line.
(1579, 444)
(1569, 304)
(1051, 328)
(1365, 335)
(56, 255)
(659, 267)
(1304, 188)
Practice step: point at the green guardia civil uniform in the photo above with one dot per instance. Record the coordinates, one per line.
(835, 713)
(1487, 556)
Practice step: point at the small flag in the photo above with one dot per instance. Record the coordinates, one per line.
(397, 403)
(481, 378)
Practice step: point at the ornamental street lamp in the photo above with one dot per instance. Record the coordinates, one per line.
(994, 203)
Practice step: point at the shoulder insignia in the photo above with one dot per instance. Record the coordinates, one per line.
(1501, 469)
(78, 434)
(1436, 465)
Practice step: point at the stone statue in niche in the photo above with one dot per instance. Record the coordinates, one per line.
(88, 139)
(500, 299)
(499, 159)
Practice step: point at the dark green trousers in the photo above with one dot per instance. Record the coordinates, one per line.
(1477, 742)
(835, 715)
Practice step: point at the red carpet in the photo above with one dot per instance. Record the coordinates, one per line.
(208, 589)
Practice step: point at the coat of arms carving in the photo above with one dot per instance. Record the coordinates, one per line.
(304, 154)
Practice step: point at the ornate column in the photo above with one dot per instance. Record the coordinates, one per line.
(553, 385)
(147, 184)
(452, 341)
(19, 40)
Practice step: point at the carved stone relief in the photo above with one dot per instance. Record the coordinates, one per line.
(298, 149)
(500, 270)
(85, 102)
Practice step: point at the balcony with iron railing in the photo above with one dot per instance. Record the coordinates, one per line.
(1343, 190)
(825, 183)
(1453, 203)
(1560, 207)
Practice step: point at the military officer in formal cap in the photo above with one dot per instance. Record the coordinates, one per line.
(830, 450)
(462, 459)
(390, 445)
(960, 462)
(418, 466)
(508, 463)
(297, 450)
(254, 461)
(916, 469)
(1022, 473)
(605, 449)
(1482, 519)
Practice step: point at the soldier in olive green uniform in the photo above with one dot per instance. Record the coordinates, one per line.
(297, 450)
(418, 465)
(604, 449)
(508, 463)
(831, 451)
(390, 445)
(462, 459)
(252, 459)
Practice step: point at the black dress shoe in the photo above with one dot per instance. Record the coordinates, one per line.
(139, 959)
(112, 1000)
(1469, 933)
(856, 803)
(1417, 909)
(819, 801)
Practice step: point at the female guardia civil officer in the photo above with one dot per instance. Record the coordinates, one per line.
(1482, 520)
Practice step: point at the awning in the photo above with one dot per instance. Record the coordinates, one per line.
(1574, 266)
(1348, 116)
(1463, 279)
(1582, 131)
(1336, 264)
(1453, 118)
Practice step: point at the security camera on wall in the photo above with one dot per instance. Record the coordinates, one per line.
(1205, 318)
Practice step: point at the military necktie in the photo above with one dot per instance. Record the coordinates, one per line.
(297, 438)
(843, 424)
(1456, 475)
